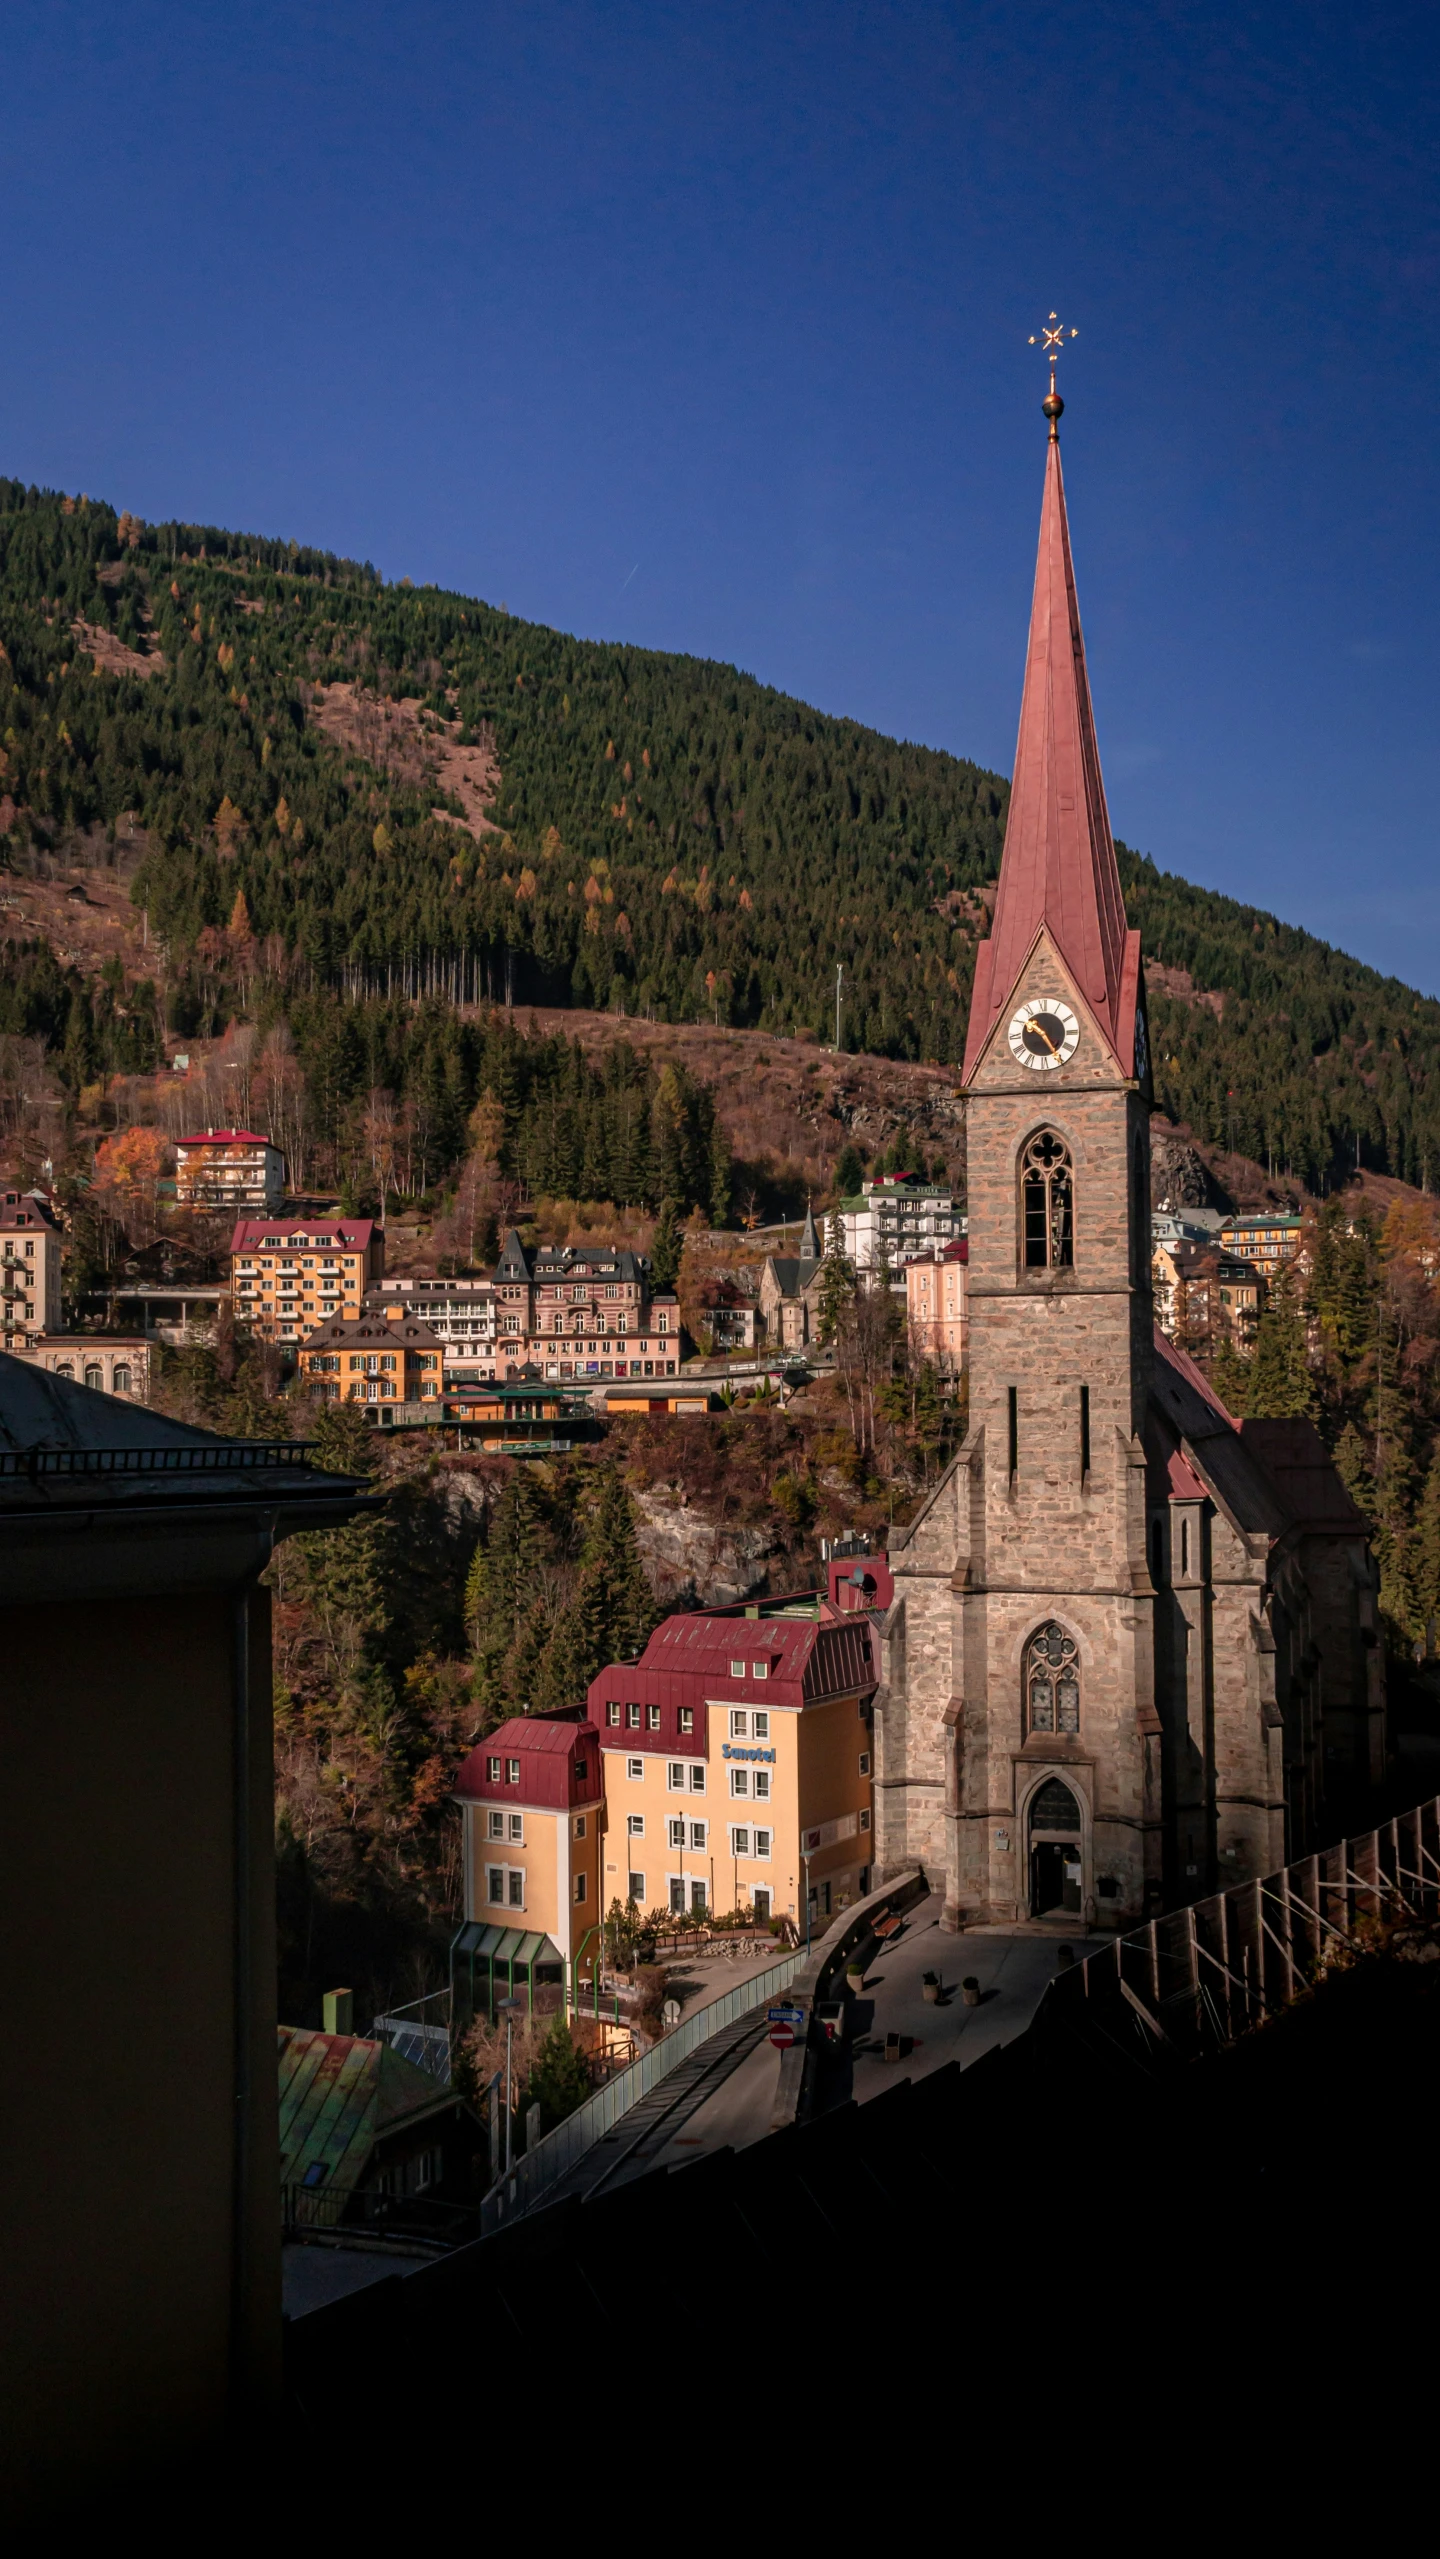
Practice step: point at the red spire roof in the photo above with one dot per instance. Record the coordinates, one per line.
(1059, 866)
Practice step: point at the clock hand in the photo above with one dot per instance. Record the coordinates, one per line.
(1044, 1034)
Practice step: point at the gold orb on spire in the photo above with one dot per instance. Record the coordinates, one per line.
(1051, 339)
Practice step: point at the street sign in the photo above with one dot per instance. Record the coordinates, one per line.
(782, 2037)
(785, 2015)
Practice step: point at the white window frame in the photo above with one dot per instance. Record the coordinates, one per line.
(760, 1725)
(508, 1875)
(635, 1770)
(634, 1825)
(740, 1839)
(697, 1776)
(495, 1825)
(762, 1785)
(579, 1825)
(675, 1822)
(633, 1876)
(674, 1776)
(759, 1670)
(740, 1785)
(739, 1724)
(762, 1855)
(699, 1840)
(737, 1670)
(515, 1830)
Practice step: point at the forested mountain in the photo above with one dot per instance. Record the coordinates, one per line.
(665, 835)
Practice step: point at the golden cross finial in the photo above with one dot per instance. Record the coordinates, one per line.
(1051, 339)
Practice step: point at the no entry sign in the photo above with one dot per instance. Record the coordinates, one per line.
(782, 2037)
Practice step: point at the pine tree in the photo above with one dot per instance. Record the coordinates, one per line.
(1427, 1558)
(668, 1246)
(1280, 1386)
(559, 2078)
(849, 1171)
(500, 1593)
(720, 1175)
(1352, 1465)
(1230, 1375)
(613, 1609)
(837, 1282)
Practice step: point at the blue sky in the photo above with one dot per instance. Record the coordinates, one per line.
(706, 328)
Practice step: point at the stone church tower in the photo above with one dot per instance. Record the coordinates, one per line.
(1081, 1712)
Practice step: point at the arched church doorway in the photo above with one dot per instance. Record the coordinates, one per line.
(1054, 1851)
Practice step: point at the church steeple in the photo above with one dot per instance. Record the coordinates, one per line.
(1058, 869)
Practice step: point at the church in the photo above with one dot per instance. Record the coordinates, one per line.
(1133, 1654)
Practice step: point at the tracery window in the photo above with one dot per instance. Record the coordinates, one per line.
(1052, 1682)
(1047, 1204)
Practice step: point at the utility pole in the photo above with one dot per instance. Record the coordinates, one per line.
(839, 981)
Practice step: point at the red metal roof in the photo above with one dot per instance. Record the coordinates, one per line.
(1059, 868)
(549, 1753)
(226, 1137)
(353, 1233)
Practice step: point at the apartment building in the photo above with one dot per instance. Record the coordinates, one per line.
(229, 1168)
(935, 1305)
(1203, 1296)
(580, 1311)
(900, 1217)
(1269, 1239)
(532, 1813)
(29, 1268)
(460, 1312)
(289, 1275)
(370, 1360)
(738, 1755)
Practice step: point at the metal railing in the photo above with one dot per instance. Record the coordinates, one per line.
(182, 1459)
(532, 2177)
(1207, 1974)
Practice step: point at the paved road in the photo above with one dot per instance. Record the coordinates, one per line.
(1012, 1970)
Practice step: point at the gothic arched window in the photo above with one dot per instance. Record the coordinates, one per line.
(1052, 1682)
(1047, 1204)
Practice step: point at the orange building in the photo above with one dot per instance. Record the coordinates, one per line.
(371, 1361)
(531, 1805)
(289, 1274)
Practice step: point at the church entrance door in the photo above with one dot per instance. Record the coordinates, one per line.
(1055, 1869)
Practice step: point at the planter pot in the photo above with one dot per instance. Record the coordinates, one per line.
(971, 1994)
(932, 1991)
(855, 1975)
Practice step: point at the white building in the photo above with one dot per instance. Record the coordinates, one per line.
(228, 1168)
(908, 1218)
(459, 1312)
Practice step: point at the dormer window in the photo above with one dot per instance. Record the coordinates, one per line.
(512, 1772)
(759, 1670)
(737, 1670)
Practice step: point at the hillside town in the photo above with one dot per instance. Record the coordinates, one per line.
(719, 1433)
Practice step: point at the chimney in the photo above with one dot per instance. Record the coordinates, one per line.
(339, 2012)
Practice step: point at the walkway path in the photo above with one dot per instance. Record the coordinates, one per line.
(1012, 1969)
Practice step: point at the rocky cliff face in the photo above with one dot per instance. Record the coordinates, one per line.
(695, 1561)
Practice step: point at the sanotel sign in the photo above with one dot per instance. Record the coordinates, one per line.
(728, 1751)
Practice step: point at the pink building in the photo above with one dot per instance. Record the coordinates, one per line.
(935, 1305)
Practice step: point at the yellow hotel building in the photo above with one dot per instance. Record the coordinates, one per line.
(738, 1756)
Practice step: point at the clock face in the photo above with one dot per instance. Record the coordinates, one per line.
(1044, 1034)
